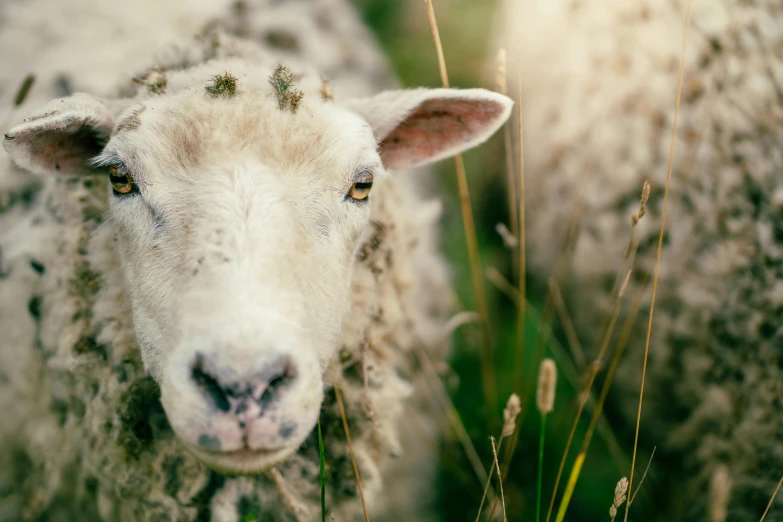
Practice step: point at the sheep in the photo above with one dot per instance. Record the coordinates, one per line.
(202, 236)
(598, 96)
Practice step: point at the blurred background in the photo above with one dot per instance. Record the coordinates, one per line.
(466, 31)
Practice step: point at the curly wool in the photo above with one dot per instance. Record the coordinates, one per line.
(83, 433)
(599, 82)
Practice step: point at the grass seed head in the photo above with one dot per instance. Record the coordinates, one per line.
(642, 204)
(510, 412)
(547, 381)
(619, 496)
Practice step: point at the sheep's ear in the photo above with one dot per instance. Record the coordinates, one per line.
(415, 127)
(61, 137)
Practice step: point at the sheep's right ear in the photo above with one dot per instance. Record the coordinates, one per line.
(61, 137)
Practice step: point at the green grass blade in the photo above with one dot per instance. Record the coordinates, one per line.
(322, 472)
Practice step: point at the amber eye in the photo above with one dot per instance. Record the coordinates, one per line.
(121, 180)
(360, 190)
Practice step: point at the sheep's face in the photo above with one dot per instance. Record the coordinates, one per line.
(237, 222)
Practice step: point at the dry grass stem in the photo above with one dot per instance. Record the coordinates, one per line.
(501, 86)
(510, 413)
(457, 320)
(772, 500)
(487, 363)
(568, 325)
(544, 325)
(644, 476)
(574, 475)
(720, 491)
(501, 283)
(660, 246)
(340, 405)
(439, 390)
(500, 478)
(285, 494)
(522, 266)
(565, 363)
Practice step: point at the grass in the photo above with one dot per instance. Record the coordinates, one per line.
(660, 248)
(479, 293)
(339, 397)
(322, 472)
(532, 336)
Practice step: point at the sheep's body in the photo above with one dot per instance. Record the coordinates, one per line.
(599, 84)
(83, 433)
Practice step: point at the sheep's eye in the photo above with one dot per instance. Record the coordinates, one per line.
(360, 190)
(121, 180)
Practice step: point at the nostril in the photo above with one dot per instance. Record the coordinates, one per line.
(209, 385)
(277, 376)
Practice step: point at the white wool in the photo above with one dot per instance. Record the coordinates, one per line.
(91, 307)
(598, 94)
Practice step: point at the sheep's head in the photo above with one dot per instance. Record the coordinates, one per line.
(237, 219)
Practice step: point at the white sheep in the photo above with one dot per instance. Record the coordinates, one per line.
(599, 83)
(191, 260)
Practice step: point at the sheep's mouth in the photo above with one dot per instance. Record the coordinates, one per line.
(241, 461)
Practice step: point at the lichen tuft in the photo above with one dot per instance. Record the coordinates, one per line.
(283, 81)
(223, 85)
(154, 80)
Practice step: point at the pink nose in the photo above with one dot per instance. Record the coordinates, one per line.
(243, 397)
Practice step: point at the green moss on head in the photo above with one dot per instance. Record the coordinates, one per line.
(223, 85)
(284, 83)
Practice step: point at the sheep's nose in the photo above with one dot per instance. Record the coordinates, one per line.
(245, 396)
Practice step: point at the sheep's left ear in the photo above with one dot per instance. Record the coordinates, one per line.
(419, 126)
(61, 137)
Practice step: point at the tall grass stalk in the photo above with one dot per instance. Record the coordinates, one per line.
(660, 247)
(501, 86)
(545, 401)
(439, 390)
(522, 268)
(568, 325)
(500, 478)
(540, 480)
(322, 471)
(544, 332)
(510, 413)
(340, 405)
(487, 359)
(772, 500)
(585, 394)
(577, 466)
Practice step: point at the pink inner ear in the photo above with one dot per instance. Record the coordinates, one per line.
(436, 128)
(65, 151)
